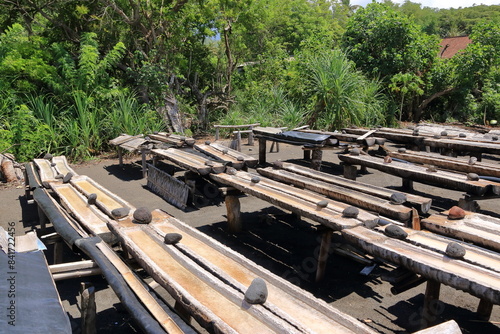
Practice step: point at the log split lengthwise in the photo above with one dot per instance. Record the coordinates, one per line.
(420, 174)
(220, 152)
(190, 161)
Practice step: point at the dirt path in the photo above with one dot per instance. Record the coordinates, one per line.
(275, 240)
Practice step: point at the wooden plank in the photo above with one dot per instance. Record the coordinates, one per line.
(294, 304)
(450, 163)
(480, 282)
(301, 202)
(406, 138)
(45, 170)
(463, 146)
(247, 159)
(420, 203)
(222, 154)
(476, 228)
(339, 193)
(123, 139)
(420, 174)
(62, 166)
(190, 161)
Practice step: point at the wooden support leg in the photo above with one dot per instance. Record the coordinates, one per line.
(484, 310)
(183, 312)
(238, 141)
(233, 213)
(363, 170)
(478, 155)
(58, 252)
(307, 155)
(216, 134)
(415, 220)
(431, 307)
(144, 166)
(88, 308)
(262, 151)
(155, 160)
(250, 137)
(42, 218)
(317, 156)
(350, 172)
(407, 184)
(120, 156)
(326, 240)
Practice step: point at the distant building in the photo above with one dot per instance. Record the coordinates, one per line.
(449, 46)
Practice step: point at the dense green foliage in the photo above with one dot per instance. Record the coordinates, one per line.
(74, 74)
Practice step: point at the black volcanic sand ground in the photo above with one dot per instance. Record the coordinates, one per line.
(274, 239)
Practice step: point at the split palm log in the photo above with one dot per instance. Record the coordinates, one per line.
(236, 159)
(478, 281)
(476, 228)
(302, 202)
(339, 193)
(62, 166)
(405, 137)
(450, 163)
(422, 174)
(463, 146)
(190, 161)
(173, 139)
(211, 277)
(45, 170)
(422, 204)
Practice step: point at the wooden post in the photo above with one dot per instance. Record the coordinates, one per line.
(216, 133)
(262, 151)
(250, 136)
(42, 218)
(233, 213)
(326, 240)
(430, 309)
(350, 172)
(415, 220)
(317, 156)
(484, 309)
(120, 156)
(238, 141)
(58, 252)
(88, 308)
(144, 166)
(183, 312)
(307, 155)
(407, 184)
(478, 155)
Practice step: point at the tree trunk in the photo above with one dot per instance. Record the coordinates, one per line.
(425, 103)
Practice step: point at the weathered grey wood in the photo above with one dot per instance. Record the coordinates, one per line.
(463, 146)
(233, 213)
(420, 174)
(317, 156)
(478, 281)
(88, 308)
(222, 153)
(326, 240)
(448, 327)
(190, 161)
(340, 193)
(350, 172)
(421, 203)
(454, 164)
(58, 252)
(431, 300)
(262, 150)
(484, 309)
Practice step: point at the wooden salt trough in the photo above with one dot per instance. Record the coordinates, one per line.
(235, 159)
(190, 161)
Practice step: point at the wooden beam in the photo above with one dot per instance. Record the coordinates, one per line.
(88, 308)
(233, 213)
(326, 240)
(431, 309)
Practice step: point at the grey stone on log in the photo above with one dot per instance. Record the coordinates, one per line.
(209, 163)
(46, 185)
(398, 198)
(462, 135)
(207, 142)
(47, 156)
(59, 176)
(224, 151)
(91, 200)
(371, 223)
(494, 137)
(67, 177)
(172, 238)
(240, 158)
(472, 177)
(142, 215)
(322, 204)
(120, 212)
(472, 160)
(355, 151)
(53, 164)
(415, 132)
(257, 292)
(278, 164)
(350, 212)
(444, 133)
(455, 250)
(231, 170)
(387, 159)
(436, 136)
(394, 231)
(255, 179)
(402, 150)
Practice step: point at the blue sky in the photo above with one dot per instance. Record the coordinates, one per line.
(438, 3)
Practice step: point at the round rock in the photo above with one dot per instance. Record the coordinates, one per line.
(142, 215)
(494, 137)
(224, 151)
(371, 223)
(59, 176)
(255, 179)
(472, 177)
(120, 212)
(355, 151)
(322, 204)
(278, 164)
(53, 164)
(398, 198)
(415, 132)
(387, 159)
(455, 213)
(436, 136)
(207, 142)
(67, 177)
(240, 158)
(472, 160)
(47, 156)
(350, 212)
(394, 231)
(444, 133)
(257, 292)
(462, 135)
(455, 250)
(172, 238)
(231, 170)
(91, 200)
(402, 150)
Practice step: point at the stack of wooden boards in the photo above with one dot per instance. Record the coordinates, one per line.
(207, 280)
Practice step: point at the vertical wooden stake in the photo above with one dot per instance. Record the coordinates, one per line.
(307, 155)
(120, 156)
(350, 172)
(238, 141)
(42, 218)
(58, 252)
(407, 184)
(144, 166)
(326, 240)
(250, 136)
(88, 308)
(233, 213)
(216, 133)
(484, 309)
(262, 151)
(431, 300)
(415, 220)
(317, 156)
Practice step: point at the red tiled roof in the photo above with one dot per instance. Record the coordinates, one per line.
(449, 46)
